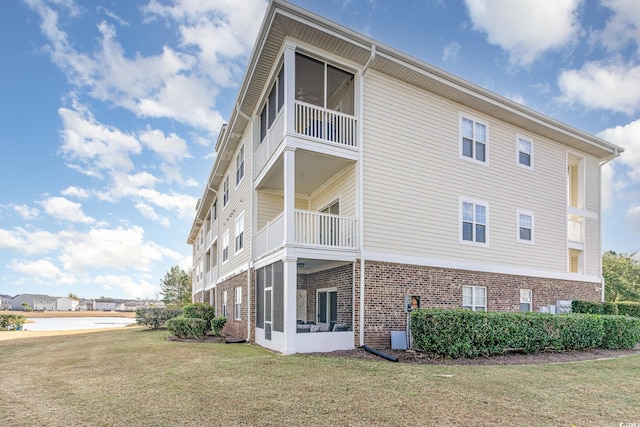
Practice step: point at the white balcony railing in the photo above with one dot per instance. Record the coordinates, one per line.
(576, 229)
(271, 236)
(311, 229)
(324, 124)
(321, 229)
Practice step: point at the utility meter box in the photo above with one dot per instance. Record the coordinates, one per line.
(411, 302)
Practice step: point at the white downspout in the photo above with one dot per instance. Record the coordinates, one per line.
(604, 162)
(361, 190)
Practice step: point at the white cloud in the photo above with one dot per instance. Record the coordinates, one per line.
(61, 208)
(450, 52)
(29, 242)
(148, 212)
(98, 146)
(632, 217)
(614, 87)
(180, 85)
(627, 137)
(25, 212)
(622, 27)
(526, 28)
(43, 269)
(72, 191)
(170, 148)
(133, 288)
(118, 248)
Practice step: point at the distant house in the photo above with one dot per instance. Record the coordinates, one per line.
(36, 301)
(104, 305)
(5, 302)
(67, 304)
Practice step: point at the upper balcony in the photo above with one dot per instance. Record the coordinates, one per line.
(313, 101)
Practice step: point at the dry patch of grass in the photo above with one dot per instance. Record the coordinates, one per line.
(135, 377)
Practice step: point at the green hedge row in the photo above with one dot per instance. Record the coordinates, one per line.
(627, 308)
(593, 307)
(10, 322)
(462, 333)
(187, 327)
(155, 317)
(623, 308)
(199, 311)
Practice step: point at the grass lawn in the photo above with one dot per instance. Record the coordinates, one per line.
(133, 377)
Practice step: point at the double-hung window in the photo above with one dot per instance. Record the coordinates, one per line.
(240, 165)
(225, 246)
(525, 226)
(525, 299)
(237, 313)
(473, 140)
(525, 152)
(474, 298)
(474, 222)
(225, 192)
(239, 228)
(273, 105)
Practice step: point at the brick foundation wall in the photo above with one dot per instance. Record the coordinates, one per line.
(386, 284)
(234, 328)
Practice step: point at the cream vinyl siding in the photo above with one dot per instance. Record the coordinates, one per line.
(343, 187)
(592, 255)
(592, 185)
(414, 178)
(239, 201)
(271, 204)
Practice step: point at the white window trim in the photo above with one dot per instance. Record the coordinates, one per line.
(533, 227)
(240, 151)
(530, 302)
(475, 119)
(239, 222)
(473, 298)
(530, 141)
(224, 303)
(226, 192)
(475, 202)
(225, 245)
(237, 308)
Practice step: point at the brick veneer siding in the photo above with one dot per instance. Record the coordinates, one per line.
(234, 328)
(386, 284)
(340, 278)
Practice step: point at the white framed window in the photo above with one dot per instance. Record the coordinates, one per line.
(474, 298)
(524, 226)
(237, 312)
(225, 192)
(524, 151)
(474, 140)
(224, 303)
(239, 228)
(214, 210)
(273, 105)
(225, 246)
(240, 165)
(474, 222)
(526, 298)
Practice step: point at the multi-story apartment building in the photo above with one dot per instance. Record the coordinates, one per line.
(351, 175)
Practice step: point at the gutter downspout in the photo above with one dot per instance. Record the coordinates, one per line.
(361, 190)
(217, 234)
(615, 155)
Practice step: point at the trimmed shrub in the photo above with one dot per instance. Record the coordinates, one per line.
(199, 311)
(620, 332)
(610, 308)
(463, 333)
(187, 327)
(587, 307)
(155, 317)
(628, 308)
(217, 323)
(11, 322)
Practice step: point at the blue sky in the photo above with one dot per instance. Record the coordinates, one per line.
(109, 112)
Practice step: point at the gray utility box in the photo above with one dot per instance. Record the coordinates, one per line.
(398, 340)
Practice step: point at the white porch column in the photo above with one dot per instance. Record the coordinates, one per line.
(290, 297)
(289, 194)
(289, 86)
